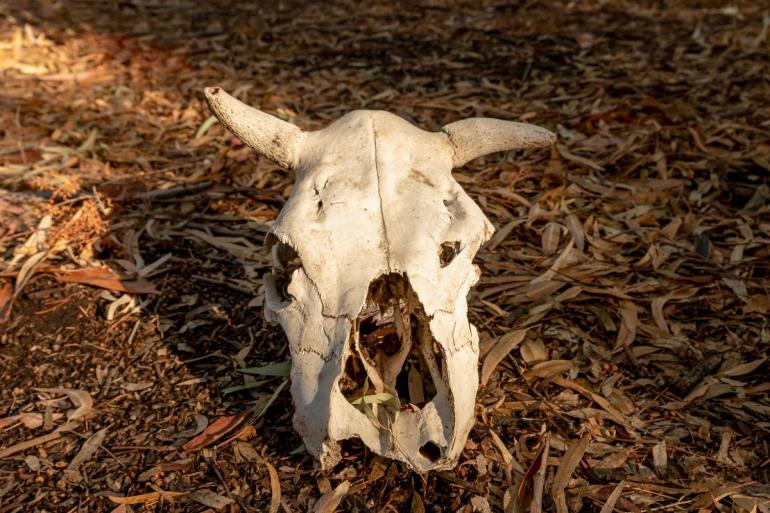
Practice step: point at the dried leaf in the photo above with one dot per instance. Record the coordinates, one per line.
(80, 398)
(659, 456)
(23, 446)
(145, 498)
(609, 505)
(569, 462)
(6, 296)
(275, 489)
(504, 346)
(549, 241)
(106, 278)
(744, 368)
(273, 369)
(214, 431)
(209, 498)
(627, 331)
(533, 351)
(329, 501)
(548, 369)
(88, 449)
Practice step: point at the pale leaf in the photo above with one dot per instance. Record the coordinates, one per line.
(504, 346)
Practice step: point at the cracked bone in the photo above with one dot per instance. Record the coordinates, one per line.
(372, 263)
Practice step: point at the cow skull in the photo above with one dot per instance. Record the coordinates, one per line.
(372, 263)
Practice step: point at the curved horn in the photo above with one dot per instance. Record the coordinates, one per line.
(267, 135)
(475, 137)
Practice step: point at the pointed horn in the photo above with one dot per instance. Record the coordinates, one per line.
(267, 135)
(475, 137)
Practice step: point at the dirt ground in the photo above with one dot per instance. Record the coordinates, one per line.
(630, 375)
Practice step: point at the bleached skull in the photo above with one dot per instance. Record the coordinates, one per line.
(372, 263)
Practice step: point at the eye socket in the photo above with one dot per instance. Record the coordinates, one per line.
(449, 251)
(285, 261)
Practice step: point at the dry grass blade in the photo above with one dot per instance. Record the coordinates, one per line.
(503, 347)
(567, 465)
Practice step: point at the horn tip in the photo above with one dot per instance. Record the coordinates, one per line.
(211, 92)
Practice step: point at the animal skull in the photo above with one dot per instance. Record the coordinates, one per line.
(372, 263)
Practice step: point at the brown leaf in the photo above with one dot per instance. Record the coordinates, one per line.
(627, 331)
(744, 368)
(569, 462)
(549, 241)
(609, 505)
(80, 398)
(106, 278)
(89, 448)
(329, 501)
(756, 303)
(22, 446)
(275, 488)
(504, 346)
(214, 431)
(208, 498)
(533, 351)
(6, 295)
(145, 498)
(548, 369)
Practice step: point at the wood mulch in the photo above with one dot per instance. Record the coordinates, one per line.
(623, 307)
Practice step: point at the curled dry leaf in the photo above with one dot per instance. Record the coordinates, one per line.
(80, 398)
(504, 346)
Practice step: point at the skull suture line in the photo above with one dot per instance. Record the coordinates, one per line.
(372, 258)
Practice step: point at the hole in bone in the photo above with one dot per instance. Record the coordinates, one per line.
(285, 262)
(448, 252)
(431, 451)
(392, 348)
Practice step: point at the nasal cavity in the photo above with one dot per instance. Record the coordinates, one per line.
(448, 252)
(393, 355)
(431, 451)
